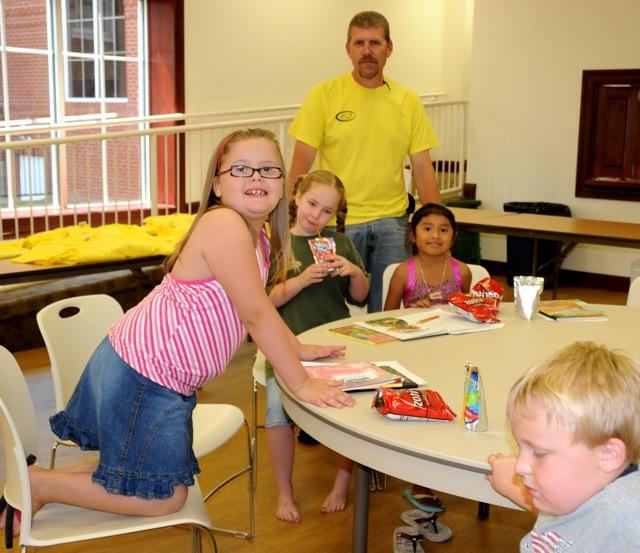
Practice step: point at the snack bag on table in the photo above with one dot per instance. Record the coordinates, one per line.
(411, 405)
(481, 304)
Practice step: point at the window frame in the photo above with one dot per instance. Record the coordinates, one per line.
(589, 182)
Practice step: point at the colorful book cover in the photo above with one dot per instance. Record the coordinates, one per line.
(361, 334)
(365, 375)
(425, 323)
(571, 310)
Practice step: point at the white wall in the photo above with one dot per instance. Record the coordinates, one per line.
(252, 54)
(526, 69)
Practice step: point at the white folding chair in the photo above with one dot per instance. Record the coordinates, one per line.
(386, 280)
(56, 523)
(478, 272)
(633, 296)
(72, 328)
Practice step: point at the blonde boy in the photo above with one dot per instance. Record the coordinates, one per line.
(575, 419)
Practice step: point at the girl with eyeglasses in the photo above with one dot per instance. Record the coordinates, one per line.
(134, 400)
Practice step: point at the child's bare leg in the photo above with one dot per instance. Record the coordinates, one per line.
(281, 442)
(77, 488)
(337, 498)
(83, 467)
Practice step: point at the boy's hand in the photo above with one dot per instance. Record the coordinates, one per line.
(311, 352)
(506, 482)
(324, 393)
(503, 471)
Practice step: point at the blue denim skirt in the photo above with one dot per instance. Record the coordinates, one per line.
(143, 430)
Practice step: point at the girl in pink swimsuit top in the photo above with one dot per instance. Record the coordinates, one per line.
(431, 276)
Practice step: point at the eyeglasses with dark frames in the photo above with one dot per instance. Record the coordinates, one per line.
(244, 171)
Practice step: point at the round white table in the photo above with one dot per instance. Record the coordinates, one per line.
(444, 455)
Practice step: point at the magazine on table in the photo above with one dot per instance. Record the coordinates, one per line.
(570, 310)
(434, 322)
(365, 375)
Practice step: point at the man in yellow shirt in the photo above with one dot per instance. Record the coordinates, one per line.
(362, 125)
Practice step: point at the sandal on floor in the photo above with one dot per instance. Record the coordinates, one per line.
(406, 540)
(427, 525)
(424, 499)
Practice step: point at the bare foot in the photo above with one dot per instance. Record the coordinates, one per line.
(335, 502)
(36, 505)
(287, 511)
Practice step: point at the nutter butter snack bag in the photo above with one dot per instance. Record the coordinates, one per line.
(411, 405)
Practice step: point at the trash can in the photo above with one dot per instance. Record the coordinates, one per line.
(466, 247)
(520, 250)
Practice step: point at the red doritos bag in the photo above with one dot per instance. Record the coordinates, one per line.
(411, 405)
(481, 304)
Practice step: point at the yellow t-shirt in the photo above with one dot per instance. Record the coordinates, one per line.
(363, 135)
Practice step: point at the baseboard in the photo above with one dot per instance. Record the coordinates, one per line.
(568, 277)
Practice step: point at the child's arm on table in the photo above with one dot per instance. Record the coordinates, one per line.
(230, 253)
(506, 482)
(285, 291)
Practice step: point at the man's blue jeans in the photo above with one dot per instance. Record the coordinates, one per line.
(380, 243)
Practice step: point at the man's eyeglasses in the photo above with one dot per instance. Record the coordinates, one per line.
(242, 171)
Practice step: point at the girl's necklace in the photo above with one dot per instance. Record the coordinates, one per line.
(433, 294)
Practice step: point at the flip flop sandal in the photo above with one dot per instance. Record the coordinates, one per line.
(405, 540)
(427, 525)
(424, 499)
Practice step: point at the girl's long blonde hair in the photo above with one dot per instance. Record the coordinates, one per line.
(277, 219)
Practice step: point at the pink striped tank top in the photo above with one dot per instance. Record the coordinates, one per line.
(184, 332)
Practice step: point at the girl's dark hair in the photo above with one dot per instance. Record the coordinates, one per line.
(304, 183)
(431, 209)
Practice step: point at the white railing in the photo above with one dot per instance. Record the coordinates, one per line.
(121, 170)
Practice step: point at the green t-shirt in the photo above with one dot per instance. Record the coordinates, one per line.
(323, 302)
(363, 135)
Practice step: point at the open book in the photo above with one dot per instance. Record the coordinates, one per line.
(361, 334)
(426, 323)
(365, 375)
(570, 310)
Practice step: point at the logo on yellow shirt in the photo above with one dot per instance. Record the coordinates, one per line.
(345, 116)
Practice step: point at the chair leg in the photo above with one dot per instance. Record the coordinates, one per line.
(54, 449)
(254, 435)
(196, 535)
(249, 469)
(483, 511)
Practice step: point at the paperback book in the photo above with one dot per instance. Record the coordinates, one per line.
(571, 310)
(365, 375)
(426, 323)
